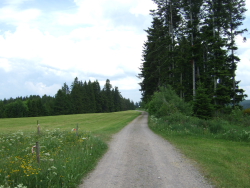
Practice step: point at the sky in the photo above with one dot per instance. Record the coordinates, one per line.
(46, 43)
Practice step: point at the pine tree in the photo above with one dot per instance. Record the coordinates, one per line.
(76, 96)
(61, 103)
(152, 57)
(98, 96)
(91, 95)
(117, 99)
(202, 104)
(108, 98)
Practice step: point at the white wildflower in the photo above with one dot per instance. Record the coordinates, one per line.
(53, 167)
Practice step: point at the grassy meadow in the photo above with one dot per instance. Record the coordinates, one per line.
(65, 155)
(101, 124)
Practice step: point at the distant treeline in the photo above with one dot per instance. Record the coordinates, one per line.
(81, 97)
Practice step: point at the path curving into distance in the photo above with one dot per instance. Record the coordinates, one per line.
(137, 157)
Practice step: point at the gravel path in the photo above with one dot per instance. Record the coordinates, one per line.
(139, 158)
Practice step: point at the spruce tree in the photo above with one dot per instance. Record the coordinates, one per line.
(202, 106)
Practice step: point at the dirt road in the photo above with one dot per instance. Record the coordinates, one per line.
(139, 158)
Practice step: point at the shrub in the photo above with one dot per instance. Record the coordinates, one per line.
(215, 126)
(247, 111)
(166, 102)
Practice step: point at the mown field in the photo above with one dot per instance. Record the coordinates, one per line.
(65, 155)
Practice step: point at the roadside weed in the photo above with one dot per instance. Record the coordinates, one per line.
(64, 158)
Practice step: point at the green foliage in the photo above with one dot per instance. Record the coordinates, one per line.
(202, 104)
(224, 163)
(247, 111)
(166, 102)
(64, 158)
(83, 97)
(16, 109)
(191, 42)
(236, 117)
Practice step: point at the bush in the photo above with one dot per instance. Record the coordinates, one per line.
(215, 126)
(166, 102)
(247, 111)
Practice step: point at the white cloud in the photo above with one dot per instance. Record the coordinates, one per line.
(24, 43)
(248, 8)
(99, 50)
(13, 16)
(243, 68)
(41, 88)
(15, 2)
(88, 12)
(5, 65)
(142, 7)
(93, 45)
(127, 83)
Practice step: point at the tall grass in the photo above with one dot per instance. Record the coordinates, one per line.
(180, 124)
(65, 157)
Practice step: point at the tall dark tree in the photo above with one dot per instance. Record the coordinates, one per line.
(97, 96)
(62, 102)
(108, 101)
(153, 56)
(117, 99)
(76, 96)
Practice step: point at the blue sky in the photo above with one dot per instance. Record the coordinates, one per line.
(45, 43)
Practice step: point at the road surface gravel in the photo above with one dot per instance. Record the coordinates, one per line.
(137, 157)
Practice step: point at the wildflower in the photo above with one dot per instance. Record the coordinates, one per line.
(21, 186)
(53, 167)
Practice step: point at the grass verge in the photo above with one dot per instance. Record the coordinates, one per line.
(65, 157)
(225, 163)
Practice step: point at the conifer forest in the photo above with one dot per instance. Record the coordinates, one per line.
(191, 46)
(80, 97)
